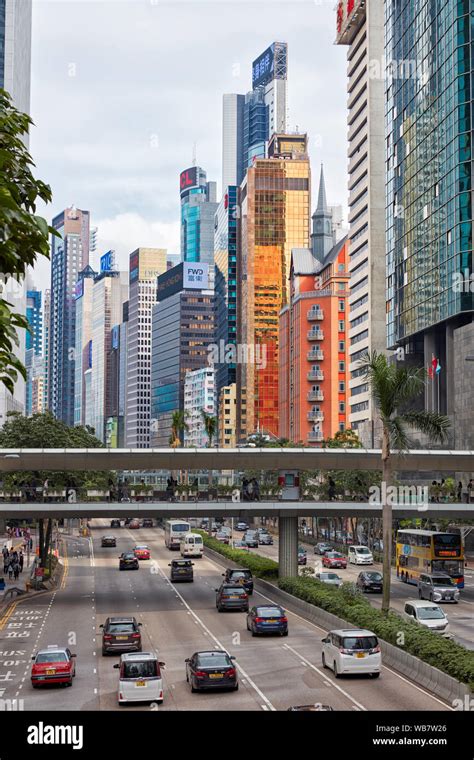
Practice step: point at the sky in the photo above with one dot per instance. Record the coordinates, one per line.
(124, 91)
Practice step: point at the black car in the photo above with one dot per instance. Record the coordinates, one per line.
(128, 561)
(370, 580)
(267, 618)
(302, 556)
(232, 597)
(250, 539)
(121, 634)
(181, 570)
(147, 522)
(115, 523)
(265, 539)
(108, 541)
(211, 670)
(242, 576)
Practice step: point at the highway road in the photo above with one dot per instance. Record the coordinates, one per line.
(275, 673)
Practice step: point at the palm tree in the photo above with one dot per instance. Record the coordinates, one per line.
(210, 426)
(178, 426)
(393, 389)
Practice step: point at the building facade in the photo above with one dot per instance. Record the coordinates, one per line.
(275, 203)
(225, 261)
(146, 264)
(34, 344)
(360, 29)
(199, 397)
(15, 51)
(232, 139)
(227, 416)
(83, 342)
(198, 207)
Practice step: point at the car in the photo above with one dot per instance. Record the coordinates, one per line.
(147, 522)
(251, 539)
(121, 634)
(108, 541)
(239, 575)
(128, 561)
(322, 547)
(334, 559)
(332, 579)
(115, 523)
(140, 678)
(214, 669)
(352, 650)
(225, 529)
(428, 614)
(438, 587)
(223, 538)
(54, 664)
(134, 524)
(181, 570)
(265, 539)
(317, 707)
(142, 551)
(231, 597)
(242, 526)
(360, 555)
(370, 581)
(267, 618)
(239, 543)
(302, 556)
(127, 521)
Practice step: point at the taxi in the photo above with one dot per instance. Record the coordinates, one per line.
(142, 551)
(53, 665)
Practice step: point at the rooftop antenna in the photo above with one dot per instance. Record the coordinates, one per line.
(194, 153)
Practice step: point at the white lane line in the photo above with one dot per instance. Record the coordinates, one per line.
(91, 549)
(318, 627)
(197, 620)
(321, 673)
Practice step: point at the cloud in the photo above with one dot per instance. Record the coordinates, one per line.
(126, 232)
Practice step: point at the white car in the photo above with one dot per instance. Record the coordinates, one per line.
(140, 678)
(332, 579)
(352, 650)
(360, 555)
(429, 614)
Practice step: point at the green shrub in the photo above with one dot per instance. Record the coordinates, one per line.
(441, 653)
(261, 567)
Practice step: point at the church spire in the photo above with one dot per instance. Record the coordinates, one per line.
(322, 207)
(322, 239)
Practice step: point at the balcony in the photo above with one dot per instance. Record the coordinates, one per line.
(315, 435)
(315, 396)
(315, 416)
(315, 314)
(315, 374)
(315, 334)
(315, 355)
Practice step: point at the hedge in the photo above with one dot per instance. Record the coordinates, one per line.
(441, 653)
(261, 567)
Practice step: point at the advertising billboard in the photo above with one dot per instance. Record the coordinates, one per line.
(79, 289)
(115, 337)
(263, 67)
(188, 179)
(134, 261)
(347, 20)
(107, 262)
(170, 282)
(195, 275)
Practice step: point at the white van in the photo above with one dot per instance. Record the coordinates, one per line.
(191, 545)
(352, 650)
(429, 614)
(360, 555)
(140, 678)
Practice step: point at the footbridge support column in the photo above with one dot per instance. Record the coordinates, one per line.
(288, 546)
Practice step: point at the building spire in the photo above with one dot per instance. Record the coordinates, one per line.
(322, 239)
(322, 207)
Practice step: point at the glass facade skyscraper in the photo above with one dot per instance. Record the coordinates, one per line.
(198, 206)
(429, 107)
(225, 258)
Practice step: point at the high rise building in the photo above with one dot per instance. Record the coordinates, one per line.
(83, 344)
(225, 259)
(429, 122)
(15, 51)
(198, 206)
(46, 331)
(275, 203)
(69, 256)
(232, 139)
(146, 264)
(34, 344)
(269, 76)
(183, 332)
(313, 345)
(227, 416)
(199, 397)
(360, 28)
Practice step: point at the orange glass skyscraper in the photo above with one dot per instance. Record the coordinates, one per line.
(274, 218)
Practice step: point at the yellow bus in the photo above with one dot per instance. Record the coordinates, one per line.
(429, 551)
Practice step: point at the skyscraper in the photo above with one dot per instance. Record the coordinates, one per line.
(275, 203)
(69, 256)
(225, 258)
(198, 206)
(83, 343)
(429, 126)
(34, 344)
(269, 75)
(145, 266)
(15, 51)
(232, 139)
(360, 27)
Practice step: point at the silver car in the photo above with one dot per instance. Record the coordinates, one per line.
(332, 579)
(438, 587)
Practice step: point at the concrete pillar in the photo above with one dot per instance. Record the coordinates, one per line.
(288, 546)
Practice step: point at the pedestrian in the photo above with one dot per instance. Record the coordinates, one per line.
(21, 561)
(6, 564)
(244, 489)
(256, 489)
(10, 571)
(459, 491)
(470, 491)
(331, 489)
(16, 570)
(31, 543)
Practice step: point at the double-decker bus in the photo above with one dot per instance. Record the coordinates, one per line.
(174, 531)
(429, 551)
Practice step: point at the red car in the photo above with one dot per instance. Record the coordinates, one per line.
(142, 552)
(53, 665)
(334, 559)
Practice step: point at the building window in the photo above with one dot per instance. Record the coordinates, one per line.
(342, 366)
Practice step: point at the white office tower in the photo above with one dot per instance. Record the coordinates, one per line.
(232, 140)
(362, 30)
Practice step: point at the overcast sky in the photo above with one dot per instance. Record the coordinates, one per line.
(122, 89)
